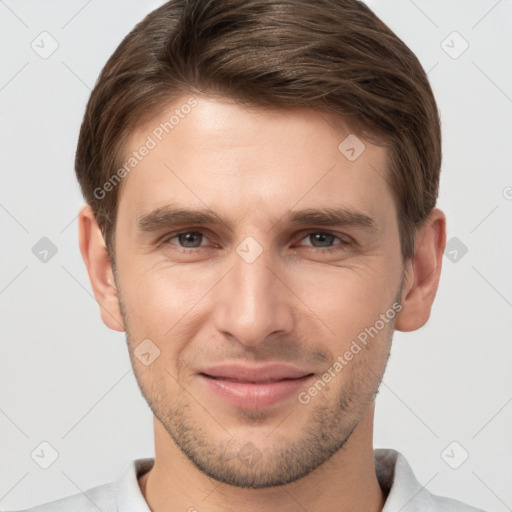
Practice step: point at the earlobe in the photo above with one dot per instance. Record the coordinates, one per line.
(423, 274)
(95, 255)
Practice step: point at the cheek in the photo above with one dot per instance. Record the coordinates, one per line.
(160, 300)
(332, 304)
(346, 299)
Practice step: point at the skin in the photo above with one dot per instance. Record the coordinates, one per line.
(302, 301)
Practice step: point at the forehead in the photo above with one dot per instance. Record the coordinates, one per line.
(248, 162)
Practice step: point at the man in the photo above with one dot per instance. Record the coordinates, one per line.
(261, 180)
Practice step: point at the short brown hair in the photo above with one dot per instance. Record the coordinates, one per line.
(332, 55)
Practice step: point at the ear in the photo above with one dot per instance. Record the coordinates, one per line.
(423, 274)
(95, 255)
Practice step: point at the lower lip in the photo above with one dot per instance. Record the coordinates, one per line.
(254, 396)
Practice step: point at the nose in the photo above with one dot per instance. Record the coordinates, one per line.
(253, 301)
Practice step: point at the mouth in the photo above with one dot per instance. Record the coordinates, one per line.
(254, 387)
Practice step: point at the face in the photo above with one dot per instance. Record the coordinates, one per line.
(258, 269)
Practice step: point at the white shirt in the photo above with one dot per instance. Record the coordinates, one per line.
(405, 493)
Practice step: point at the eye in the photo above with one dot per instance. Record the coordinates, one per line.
(321, 239)
(187, 239)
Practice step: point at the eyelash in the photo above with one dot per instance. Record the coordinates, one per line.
(342, 243)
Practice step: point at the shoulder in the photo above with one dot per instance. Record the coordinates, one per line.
(426, 501)
(405, 493)
(123, 495)
(101, 497)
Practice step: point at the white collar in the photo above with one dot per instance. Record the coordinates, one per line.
(394, 474)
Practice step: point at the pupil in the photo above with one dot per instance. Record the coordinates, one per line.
(187, 239)
(323, 238)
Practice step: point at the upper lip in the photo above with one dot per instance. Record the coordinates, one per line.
(256, 374)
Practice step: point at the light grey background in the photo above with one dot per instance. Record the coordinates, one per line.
(66, 379)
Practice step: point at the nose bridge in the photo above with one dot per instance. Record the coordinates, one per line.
(253, 302)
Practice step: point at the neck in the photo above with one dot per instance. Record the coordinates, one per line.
(346, 482)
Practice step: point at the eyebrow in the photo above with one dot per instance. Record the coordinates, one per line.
(169, 216)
